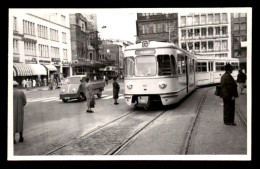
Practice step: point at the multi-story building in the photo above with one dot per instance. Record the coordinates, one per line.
(40, 39)
(162, 27)
(205, 33)
(84, 60)
(239, 37)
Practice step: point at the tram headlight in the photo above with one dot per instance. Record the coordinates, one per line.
(63, 90)
(129, 86)
(162, 85)
(74, 89)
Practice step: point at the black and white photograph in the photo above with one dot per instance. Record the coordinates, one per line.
(130, 84)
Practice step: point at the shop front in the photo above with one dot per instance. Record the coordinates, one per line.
(22, 71)
(66, 68)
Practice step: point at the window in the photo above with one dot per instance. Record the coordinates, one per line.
(203, 46)
(189, 20)
(164, 64)
(210, 31)
(42, 31)
(203, 19)
(217, 30)
(196, 20)
(242, 15)
(224, 45)
(29, 48)
(181, 62)
(145, 66)
(63, 20)
(224, 30)
(183, 46)
(154, 28)
(43, 50)
(210, 18)
(236, 15)
(190, 32)
(243, 38)
(183, 33)
(166, 27)
(15, 24)
(234, 65)
(197, 45)
(159, 27)
(90, 56)
(28, 28)
(210, 45)
(243, 26)
(183, 20)
(237, 53)
(55, 52)
(147, 29)
(236, 39)
(217, 18)
(197, 32)
(143, 27)
(65, 55)
(220, 66)
(15, 46)
(173, 62)
(224, 17)
(190, 44)
(203, 32)
(236, 27)
(243, 52)
(64, 37)
(201, 66)
(54, 35)
(217, 46)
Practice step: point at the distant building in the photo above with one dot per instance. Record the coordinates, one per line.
(205, 34)
(40, 40)
(162, 27)
(239, 37)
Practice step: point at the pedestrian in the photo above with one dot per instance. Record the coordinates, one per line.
(89, 93)
(27, 84)
(106, 79)
(50, 84)
(40, 82)
(33, 83)
(228, 93)
(116, 89)
(241, 80)
(19, 101)
(24, 83)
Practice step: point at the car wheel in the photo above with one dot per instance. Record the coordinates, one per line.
(64, 100)
(81, 97)
(99, 94)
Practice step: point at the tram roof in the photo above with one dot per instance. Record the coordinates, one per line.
(155, 44)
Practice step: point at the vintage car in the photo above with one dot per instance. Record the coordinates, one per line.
(73, 88)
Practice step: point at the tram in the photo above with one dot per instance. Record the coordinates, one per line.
(209, 69)
(158, 71)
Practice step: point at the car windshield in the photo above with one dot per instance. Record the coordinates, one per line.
(73, 80)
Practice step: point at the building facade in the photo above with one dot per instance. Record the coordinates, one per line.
(162, 27)
(205, 33)
(84, 60)
(239, 37)
(41, 39)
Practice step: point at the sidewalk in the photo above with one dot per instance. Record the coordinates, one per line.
(212, 136)
(35, 89)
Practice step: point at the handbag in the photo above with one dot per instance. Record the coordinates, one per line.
(218, 90)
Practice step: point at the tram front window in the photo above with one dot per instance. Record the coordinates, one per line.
(129, 66)
(145, 66)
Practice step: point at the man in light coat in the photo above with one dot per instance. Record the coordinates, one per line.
(19, 101)
(228, 93)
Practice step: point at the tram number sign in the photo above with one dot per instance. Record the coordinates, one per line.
(145, 43)
(145, 52)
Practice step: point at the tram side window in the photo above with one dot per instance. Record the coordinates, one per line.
(164, 65)
(220, 66)
(129, 66)
(201, 66)
(173, 65)
(179, 67)
(234, 65)
(181, 62)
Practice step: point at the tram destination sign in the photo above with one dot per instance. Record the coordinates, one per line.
(145, 52)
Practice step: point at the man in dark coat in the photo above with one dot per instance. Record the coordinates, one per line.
(228, 93)
(241, 80)
(19, 101)
(116, 88)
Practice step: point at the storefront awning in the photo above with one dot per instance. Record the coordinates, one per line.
(50, 67)
(38, 69)
(23, 69)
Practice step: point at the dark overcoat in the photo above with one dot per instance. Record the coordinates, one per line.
(19, 100)
(116, 89)
(241, 78)
(228, 86)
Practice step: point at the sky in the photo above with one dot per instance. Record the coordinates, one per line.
(119, 25)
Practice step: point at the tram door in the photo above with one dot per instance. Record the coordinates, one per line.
(211, 72)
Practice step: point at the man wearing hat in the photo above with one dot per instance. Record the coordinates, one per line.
(228, 93)
(19, 101)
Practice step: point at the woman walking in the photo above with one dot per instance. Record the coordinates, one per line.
(116, 89)
(89, 93)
